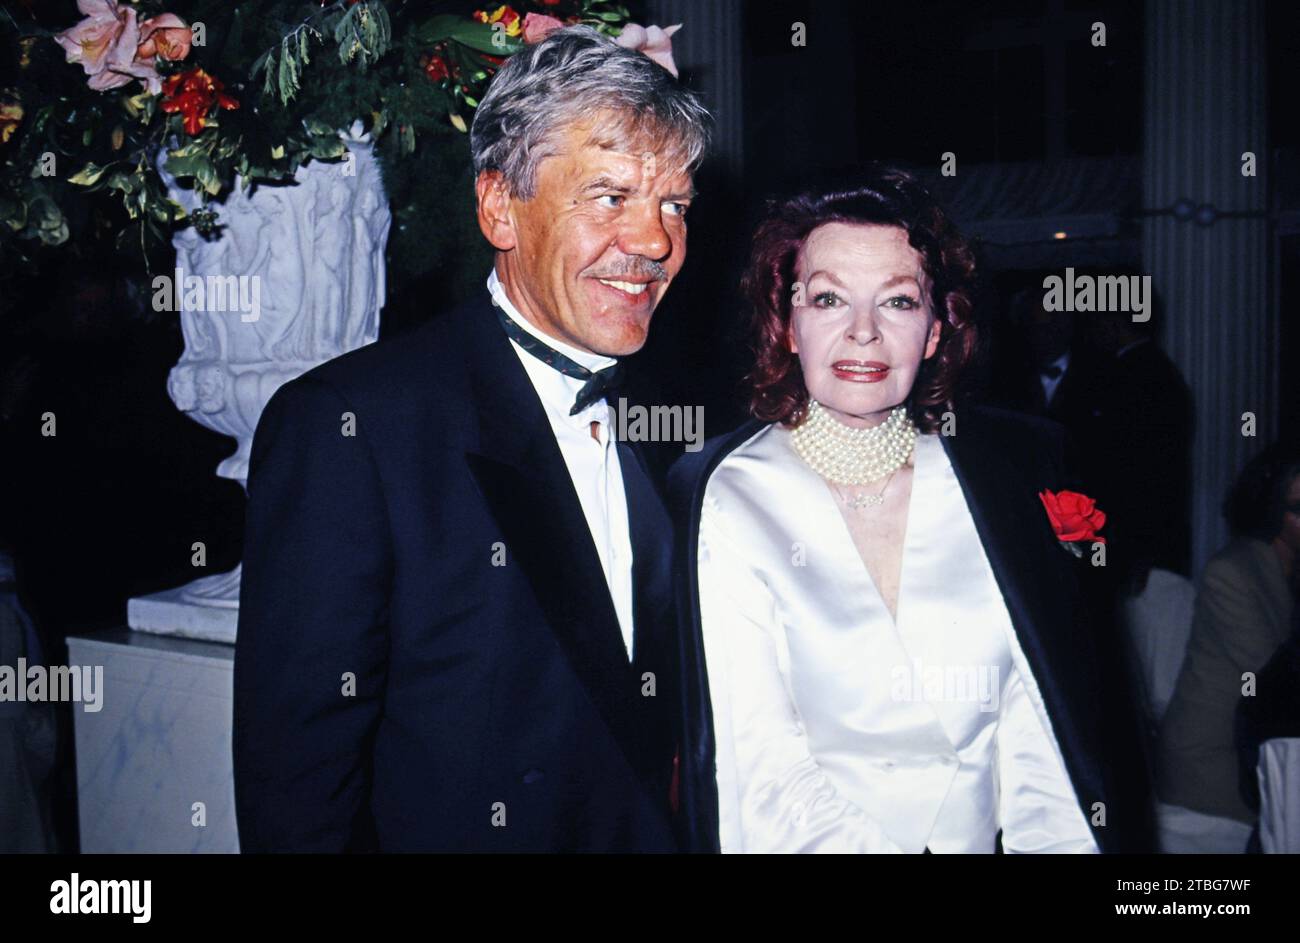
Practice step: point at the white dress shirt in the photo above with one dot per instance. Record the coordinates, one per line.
(593, 465)
(839, 729)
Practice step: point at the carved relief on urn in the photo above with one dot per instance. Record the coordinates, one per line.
(294, 278)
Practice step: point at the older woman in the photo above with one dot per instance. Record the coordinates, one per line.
(877, 607)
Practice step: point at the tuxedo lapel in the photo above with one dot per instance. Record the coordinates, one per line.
(1001, 498)
(1001, 484)
(525, 482)
(651, 534)
(654, 649)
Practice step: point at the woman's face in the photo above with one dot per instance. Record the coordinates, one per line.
(865, 322)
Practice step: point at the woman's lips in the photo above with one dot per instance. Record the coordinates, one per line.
(860, 371)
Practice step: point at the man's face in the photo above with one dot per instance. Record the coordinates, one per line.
(589, 257)
(1049, 334)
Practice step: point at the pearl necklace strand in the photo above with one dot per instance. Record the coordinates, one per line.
(845, 455)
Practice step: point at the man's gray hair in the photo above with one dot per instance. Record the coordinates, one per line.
(575, 74)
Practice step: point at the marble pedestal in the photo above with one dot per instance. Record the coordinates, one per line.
(170, 613)
(160, 744)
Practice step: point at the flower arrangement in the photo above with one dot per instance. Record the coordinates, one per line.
(230, 94)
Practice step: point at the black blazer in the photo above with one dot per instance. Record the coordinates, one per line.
(428, 657)
(1003, 460)
(1137, 447)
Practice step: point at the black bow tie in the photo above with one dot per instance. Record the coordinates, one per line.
(599, 382)
(1053, 372)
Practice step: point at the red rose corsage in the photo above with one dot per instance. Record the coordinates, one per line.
(1075, 518)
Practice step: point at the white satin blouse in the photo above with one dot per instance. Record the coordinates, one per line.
(838, 730)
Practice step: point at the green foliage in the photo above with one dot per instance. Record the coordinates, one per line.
(363, 34)
(300, 72)
(480, 36)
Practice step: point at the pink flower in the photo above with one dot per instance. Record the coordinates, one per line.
(166, 36)
(653, 41)
(106, 44)
(537, 26)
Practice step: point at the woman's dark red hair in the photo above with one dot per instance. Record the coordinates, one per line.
(879, 196)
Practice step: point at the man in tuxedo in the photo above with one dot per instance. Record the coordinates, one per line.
(1137, 447)
(455, 624)
(1045, 371)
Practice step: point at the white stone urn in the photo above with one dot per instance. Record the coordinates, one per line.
(308, 284)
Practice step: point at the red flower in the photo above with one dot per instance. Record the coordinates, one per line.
(504, 15)
(1075, 517)
(193, 94)
(436, 68)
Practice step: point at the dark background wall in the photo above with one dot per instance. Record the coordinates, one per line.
(108, 509)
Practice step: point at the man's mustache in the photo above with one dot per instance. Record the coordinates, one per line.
(645, 268)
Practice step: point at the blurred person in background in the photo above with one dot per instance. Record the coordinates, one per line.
(1269, 745)
(1135, 446)
(1244, 608)
(27, 730)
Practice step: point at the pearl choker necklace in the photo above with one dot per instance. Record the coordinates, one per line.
(845, 455)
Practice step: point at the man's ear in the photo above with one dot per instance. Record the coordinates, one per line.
(494, 218)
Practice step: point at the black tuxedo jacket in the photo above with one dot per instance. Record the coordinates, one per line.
(1136, 445)
(1003, 460)
(428, 657)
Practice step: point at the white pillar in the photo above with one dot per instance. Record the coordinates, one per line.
(1205, 107)
(708, 51)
